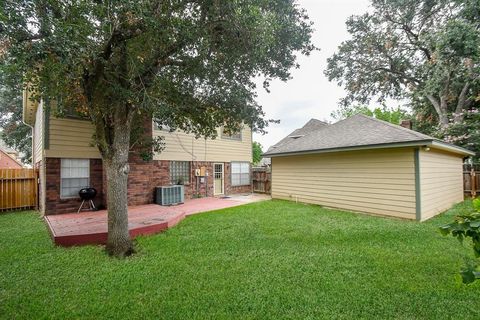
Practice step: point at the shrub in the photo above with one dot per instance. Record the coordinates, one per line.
(467, 226)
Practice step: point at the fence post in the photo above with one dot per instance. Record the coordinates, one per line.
(472, 183)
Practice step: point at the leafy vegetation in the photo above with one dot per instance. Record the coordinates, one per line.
(256, 152)
(418, 50)
(189, 64)
(14, 132)
(467, 225)
(392, 115)
(267, 260)
(426, 53)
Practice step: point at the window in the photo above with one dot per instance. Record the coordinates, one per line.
(180, 172)
(240, 173)
(161, 127)
(74, 175)
(233, 136)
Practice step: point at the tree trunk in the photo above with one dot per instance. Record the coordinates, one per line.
(117, 168)
(443, 119)
(441, 109)
(461, 104)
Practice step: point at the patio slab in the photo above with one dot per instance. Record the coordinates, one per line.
(72, 229)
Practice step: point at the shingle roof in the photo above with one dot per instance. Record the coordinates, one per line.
(356, 131)
(310, 126)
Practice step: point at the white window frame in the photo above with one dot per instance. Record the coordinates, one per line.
(241, 182)
(63, 160)
(162, 127)
(237, 136)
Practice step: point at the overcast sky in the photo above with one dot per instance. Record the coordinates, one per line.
(309, 94)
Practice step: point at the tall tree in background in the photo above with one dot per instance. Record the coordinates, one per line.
(425, 51)
(256, 152)
(189, 64)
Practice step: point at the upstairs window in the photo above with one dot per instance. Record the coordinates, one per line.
(74, 175)
(240, 174)
(234, 136)
(161, 127)
(179, 172)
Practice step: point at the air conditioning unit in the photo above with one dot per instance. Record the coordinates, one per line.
(166, 196)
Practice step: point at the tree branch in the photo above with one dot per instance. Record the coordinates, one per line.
(160, 60)
(435, 103)
(462, 98)
(410, 33)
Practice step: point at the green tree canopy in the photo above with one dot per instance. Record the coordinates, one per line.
(427, 52)
(257, 152)
(392, 115)
(15, 133)
(190, 64)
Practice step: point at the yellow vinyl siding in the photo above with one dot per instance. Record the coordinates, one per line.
(441, 181)
(374, 181)
(184, 147)
(38, 132)
(71, 138)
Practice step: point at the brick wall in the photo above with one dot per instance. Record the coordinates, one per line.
(229, 189)
(200, 186)
(6, 162)
(53, 203)
(144, 176)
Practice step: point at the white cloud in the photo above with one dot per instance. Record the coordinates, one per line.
(309, 94)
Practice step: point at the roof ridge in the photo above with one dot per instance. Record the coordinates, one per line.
(324, 122)
(396, 126)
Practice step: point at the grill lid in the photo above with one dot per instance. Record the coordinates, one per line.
(87, 193)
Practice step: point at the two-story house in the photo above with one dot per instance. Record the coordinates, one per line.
(67, 161)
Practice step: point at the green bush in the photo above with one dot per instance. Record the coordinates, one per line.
(467, 226)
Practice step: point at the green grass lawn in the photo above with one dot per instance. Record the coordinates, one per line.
(272, 259)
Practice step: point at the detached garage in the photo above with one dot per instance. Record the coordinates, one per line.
(368, 165)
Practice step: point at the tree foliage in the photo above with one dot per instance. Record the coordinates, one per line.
(15, 133)
(465, 134)
(425, 51)
(189, 64)
(392, 115)
(257, 152)
(467, 225)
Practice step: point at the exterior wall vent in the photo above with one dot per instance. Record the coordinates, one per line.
(170, 195)
(297, 136)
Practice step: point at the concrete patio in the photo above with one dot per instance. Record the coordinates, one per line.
(90, 227)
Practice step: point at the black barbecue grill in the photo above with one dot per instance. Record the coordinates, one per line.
(87, 194)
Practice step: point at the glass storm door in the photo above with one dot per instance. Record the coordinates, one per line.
(218, 178)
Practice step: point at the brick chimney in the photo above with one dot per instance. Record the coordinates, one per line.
(406, 124)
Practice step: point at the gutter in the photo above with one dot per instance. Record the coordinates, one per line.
(452, 148)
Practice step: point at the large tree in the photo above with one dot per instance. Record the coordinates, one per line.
(427, 52)
(392, 115)
(14, 133)
(189, 64)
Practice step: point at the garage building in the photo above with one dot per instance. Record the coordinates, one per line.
(368, 165)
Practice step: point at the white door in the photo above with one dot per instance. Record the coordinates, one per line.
(218, 176)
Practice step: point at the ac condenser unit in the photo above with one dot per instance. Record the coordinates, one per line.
(166, 196)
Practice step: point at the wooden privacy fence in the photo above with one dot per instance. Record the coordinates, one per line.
(262, 180)
(18, 189)
(471, 180)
